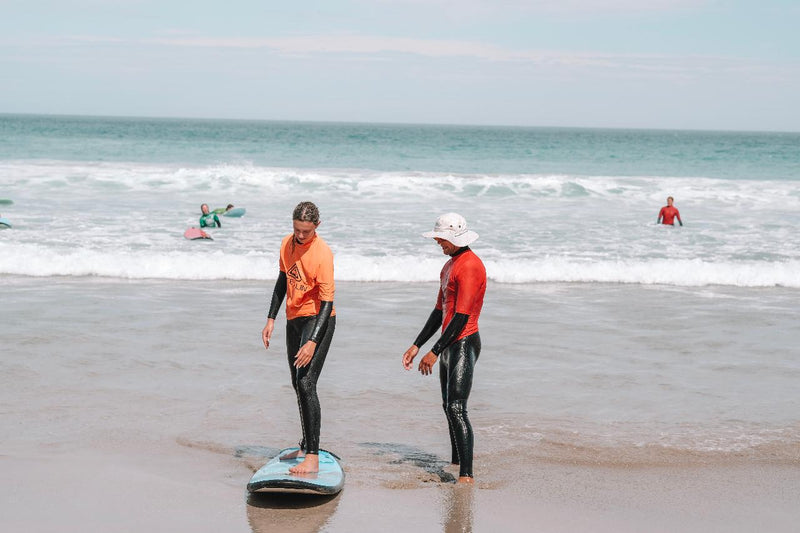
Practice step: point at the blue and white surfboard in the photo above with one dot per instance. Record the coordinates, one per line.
(275, 476)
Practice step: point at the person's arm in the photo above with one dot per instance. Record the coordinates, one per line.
(431, 326)
(660, 216)
(216, 220)
(324, 314)
(451, 333)
(278, 293)
(678, 216)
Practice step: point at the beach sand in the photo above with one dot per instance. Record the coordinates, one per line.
(147, 406)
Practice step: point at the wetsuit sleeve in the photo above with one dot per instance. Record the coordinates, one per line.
(678, 216)
(451, 332)
(660, 216)
(278, 294)
(216, 220)
(325, 309)
(433, 324)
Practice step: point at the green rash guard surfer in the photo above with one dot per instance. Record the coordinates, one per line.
(208, 219)
(222, 210)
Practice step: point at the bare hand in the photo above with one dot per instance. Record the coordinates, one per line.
(408, 357)
(427, 362)
(304, 354)
(266, 333)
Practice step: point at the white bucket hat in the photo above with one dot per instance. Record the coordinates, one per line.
(452, 227)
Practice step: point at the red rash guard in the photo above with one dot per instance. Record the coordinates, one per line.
(463, 284)
(668, 215)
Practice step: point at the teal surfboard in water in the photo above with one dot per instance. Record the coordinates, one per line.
(4, 223)
(235, 212)
(275, 476)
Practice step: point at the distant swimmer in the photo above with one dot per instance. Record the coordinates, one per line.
(221, 210)
(305, 278)
(458, 306)
(668, 214)
(208, 220)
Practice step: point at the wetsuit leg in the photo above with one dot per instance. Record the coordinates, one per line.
(304, 380)
(456, 366)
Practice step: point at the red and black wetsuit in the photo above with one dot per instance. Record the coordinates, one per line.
(458, 307)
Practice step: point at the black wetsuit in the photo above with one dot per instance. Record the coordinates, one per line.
(318, 328)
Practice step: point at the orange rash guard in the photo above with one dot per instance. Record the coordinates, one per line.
(309, 276)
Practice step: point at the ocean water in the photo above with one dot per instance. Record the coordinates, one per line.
(609, 331)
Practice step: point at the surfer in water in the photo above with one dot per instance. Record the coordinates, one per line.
(208, 219)
(458, 306)
(668, 214)
(305, 279)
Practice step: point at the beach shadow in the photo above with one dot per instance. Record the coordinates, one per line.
(298, 513)
(429, 462)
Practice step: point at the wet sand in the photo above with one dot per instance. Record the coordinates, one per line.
(148, 406)
(179, 489)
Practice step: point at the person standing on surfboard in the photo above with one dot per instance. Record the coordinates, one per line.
(305, 278)
(458, 306)
(208, 219)
(668, 214)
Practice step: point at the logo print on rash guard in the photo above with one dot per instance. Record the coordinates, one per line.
(297, 279)
(294, 273)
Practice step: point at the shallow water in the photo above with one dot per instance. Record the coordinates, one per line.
(609, 374)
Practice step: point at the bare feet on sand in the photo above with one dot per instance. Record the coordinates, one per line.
(309, 465)
(293, 455)
(466, 479)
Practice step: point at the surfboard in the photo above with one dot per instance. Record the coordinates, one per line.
(4, 223)
(6, 201)
(275, 476)
(196, 233)
(235, 212)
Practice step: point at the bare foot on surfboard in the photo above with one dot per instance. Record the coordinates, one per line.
(309, 465)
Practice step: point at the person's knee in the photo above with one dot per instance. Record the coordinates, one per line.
(306, 387)
(456, 409)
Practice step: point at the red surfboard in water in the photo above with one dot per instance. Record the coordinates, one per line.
(196, 233)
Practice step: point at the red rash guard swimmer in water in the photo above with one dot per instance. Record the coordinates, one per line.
(668, 214)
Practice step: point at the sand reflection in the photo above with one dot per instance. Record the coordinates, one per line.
(298, 513)
(457, 515)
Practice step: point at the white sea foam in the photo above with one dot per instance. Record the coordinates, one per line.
(204, 263)
(126, 220)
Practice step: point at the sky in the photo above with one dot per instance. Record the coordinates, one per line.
(668, 64)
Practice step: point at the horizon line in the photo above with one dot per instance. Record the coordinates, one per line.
(391, 123)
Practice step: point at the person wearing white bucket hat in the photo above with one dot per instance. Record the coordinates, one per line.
(458, 306)
(452, 227)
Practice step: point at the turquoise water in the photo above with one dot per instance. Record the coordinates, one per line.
(385, 147)
(551, 205)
